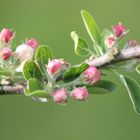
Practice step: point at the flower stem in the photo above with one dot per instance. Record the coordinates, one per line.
(72, 83)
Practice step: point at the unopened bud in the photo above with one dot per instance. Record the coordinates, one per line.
(6, 53)
(32, 43)
(55, 66)
(91, 75)
(80, 93)
(132, 43)
(119, 30)
(6, 35)
(110, 41)
(60, 96)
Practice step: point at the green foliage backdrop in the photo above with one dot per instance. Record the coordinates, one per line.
(102, 117)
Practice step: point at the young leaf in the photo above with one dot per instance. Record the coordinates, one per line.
(103, 87)
(108, 85)
(133, 90)
(33, 85)
(97, 90)
(42, 55)
(91, 27)
(74, 71)
(31, 70)
(81, 47)
(138, 69)
(35, 89)
(5, 73)
(127, 65)
(26, 92)
(39, 94)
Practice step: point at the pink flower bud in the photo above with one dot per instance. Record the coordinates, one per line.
(6, 53)
(24, 52)
(32, 43)
(110, 41)
(132, 43)
(60, 96)
(56, 65)
(91, 75)
(6, 35)
(119, 30)
(80, 93)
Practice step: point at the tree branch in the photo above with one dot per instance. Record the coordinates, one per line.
(111, 57)
(11, 89)
(114, 56)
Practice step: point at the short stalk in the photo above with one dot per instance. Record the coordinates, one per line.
(72, 83)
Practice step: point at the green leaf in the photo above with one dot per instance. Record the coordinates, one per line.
(5, 73)
(81, 47)
(74, 71)
(31, 70)
(133, 90)
(35, 89)
(26, 92)
(127, 65)
(107, 85)
(105, 34)
(91, 27)
(96, 90)
(103, 87)
(33, 85)
(42, 55)
(36, 93)
(138, 69)
(39, 93)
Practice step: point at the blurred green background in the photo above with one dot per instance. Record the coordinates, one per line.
(103, 117)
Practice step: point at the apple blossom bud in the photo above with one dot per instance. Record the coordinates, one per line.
(132, 43)
(119, 30)
(6, 53)
(60, 96)
(110, 41)
(32, 43)
(80, 93)
(91, 75)
(6, 35)
(24, 52)
(55, 66)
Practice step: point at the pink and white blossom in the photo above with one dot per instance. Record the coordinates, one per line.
(60, 96)
(80, 93)
(6, 35)
(91, 75)
(24, 52)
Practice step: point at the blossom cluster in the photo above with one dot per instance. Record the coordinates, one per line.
(23, 52)
(89, 77)
(55, 67)
(118, 32)
(29, 47)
